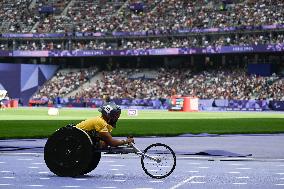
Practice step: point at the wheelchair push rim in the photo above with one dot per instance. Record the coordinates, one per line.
(166, 161)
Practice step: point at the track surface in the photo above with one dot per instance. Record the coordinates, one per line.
(25, 168)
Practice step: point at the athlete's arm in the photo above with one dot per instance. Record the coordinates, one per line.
(106, 136)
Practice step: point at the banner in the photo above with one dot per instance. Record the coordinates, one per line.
(147, 52)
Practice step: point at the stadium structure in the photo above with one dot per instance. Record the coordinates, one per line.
(143, 54)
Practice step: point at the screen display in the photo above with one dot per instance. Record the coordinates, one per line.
(177, 104)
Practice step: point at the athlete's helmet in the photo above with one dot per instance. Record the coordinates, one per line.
(111, 111)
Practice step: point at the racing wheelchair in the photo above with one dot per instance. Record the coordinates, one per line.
(71, 152)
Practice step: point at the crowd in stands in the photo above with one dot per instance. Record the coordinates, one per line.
(122, 44)
(65, 82)
(210, 84)
(140, 15)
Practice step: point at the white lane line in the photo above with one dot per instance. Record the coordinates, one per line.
(33, 167)
(108, 161)
(280, 173)
(117, 165)
(35, 185)
(193, 163)
(281, 178)
(240, 183)
(5, 184)
(143, 188)
(197, 158)
(119, 180)
(70, 186)
(5, 171)
(236, 164)
(243, 168)
(242, 177)
(2, 162)
(279, 184)
(37, 163)
(120, 174)
(280, 165)
(193, 171)
(203, 167)
(8, 177)
(234, 172)
(114, 169)
(185, 181)
(21, 159)
(194, 182)
(153, 170)
(156, 181)
(106, 187)
(81, 179)
(44, 178)
(43, 172)
(110, 155)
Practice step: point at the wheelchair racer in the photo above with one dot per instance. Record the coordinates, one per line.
(100, 127)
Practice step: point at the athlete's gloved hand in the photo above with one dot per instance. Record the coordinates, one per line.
(129, 140)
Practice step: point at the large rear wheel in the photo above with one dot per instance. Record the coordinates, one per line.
(68, 152)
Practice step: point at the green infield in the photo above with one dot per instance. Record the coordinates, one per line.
(35, 123)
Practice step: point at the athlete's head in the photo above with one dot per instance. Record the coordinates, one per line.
(110, 112)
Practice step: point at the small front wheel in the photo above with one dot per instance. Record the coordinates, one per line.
(166, 161)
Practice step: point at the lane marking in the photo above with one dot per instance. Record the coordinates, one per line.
(203, 167)
(194, 163)
(5, 184)
(119, 180)
(43, 172)
(143, 188)
(279, 165)
(239, 183)
(281, 178)
(236, 164)
(8, 177)
(194, 182)
(193, 171)
(70, 186)
(120, 174)
(2, 162)
(20, 153)
(110, 155)
(37, 163)
(280, 173)
(117, 165)
(234, 172)
(34, 185)
(156, 181)
(243, 168)
(6, 171)
(242, 177)
(153, 170)
(44, 178)
(25, 159)
(81, 179)
(279, 184)
(33, 167)
(106, 187)
(108, 161)
(185, 181)
(114, 169)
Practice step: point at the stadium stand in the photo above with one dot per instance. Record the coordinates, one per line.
(151, 84)
(64, 82)
(120, 25)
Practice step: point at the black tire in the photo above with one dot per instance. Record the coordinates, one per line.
(168, 161)
(94, 162)
(68, 152)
